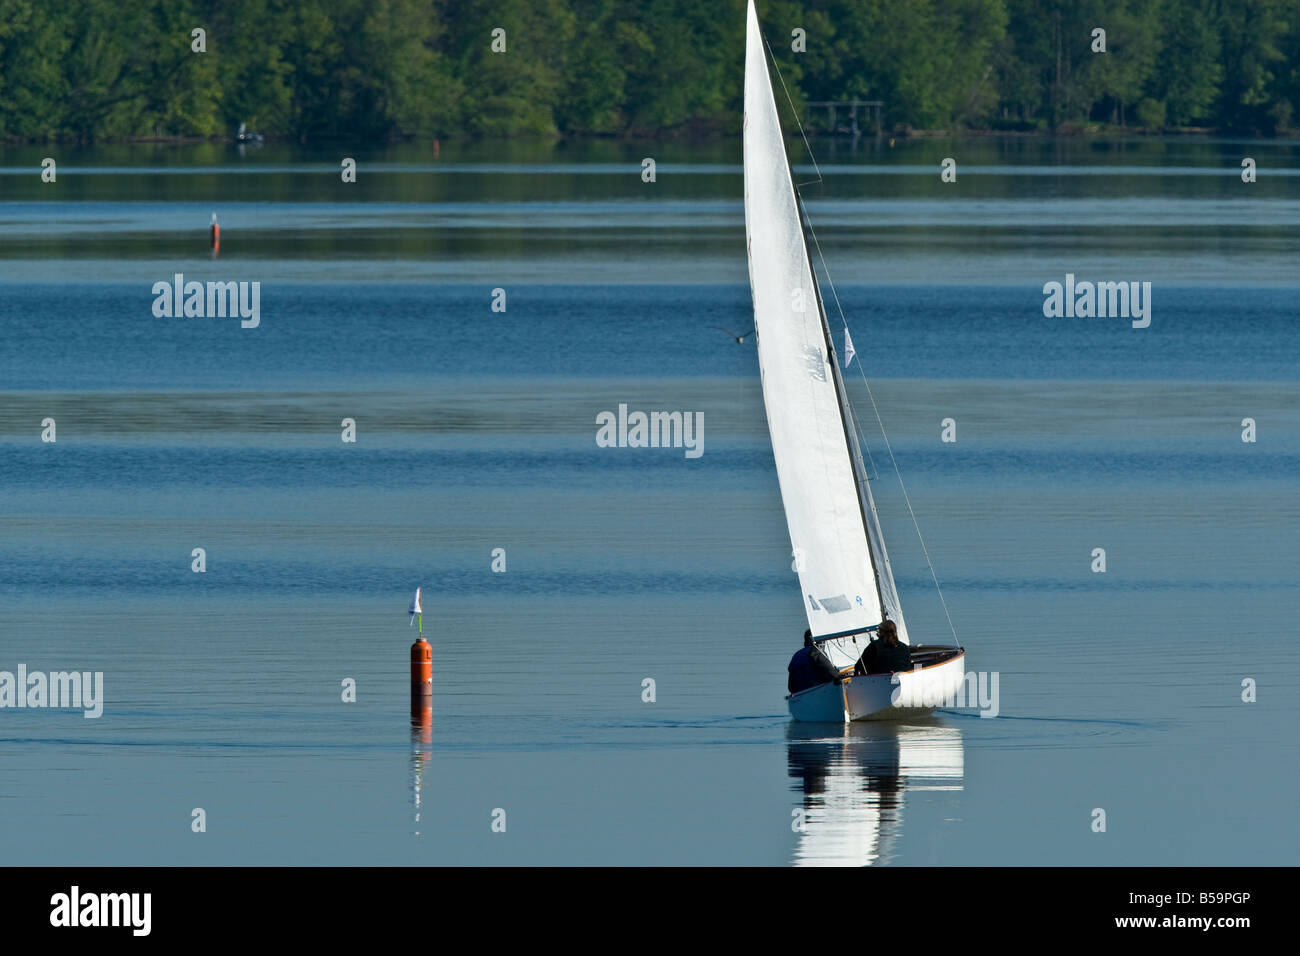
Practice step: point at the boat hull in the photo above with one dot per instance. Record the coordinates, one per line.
(901, 696)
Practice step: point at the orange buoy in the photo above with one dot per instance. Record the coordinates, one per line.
(421, 679)
(214, 233)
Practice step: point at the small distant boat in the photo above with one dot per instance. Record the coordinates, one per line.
(844, 571)
(246, 136)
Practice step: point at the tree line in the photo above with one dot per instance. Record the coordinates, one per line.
(307, 70)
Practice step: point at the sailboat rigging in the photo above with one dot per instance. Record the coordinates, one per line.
(840, 555)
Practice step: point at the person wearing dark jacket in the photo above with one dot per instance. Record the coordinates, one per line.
(810, 666)
(885, 655)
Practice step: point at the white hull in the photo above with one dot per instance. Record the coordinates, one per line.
(900, 696)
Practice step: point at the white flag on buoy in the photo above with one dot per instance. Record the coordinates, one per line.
(848, 348)
(415, 608)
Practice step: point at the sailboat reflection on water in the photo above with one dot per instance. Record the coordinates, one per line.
(853, 777)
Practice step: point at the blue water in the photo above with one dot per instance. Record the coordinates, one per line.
(476, 430)
(106, 338)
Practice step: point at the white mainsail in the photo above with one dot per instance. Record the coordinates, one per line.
(828, 508)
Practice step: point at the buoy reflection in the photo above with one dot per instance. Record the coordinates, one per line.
(421, 753)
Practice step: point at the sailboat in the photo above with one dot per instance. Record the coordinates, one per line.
(844, 573)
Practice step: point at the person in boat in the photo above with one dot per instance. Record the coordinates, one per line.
(886, 654)
(810, 666)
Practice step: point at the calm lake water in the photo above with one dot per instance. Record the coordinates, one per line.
(476, 431)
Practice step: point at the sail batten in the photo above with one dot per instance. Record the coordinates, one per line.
(828, 511)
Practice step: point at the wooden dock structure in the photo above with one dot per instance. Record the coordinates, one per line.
(833, 106)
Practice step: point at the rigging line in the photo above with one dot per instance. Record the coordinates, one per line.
(915, 524)
(862, 440)
(863, 445)
(840, 309)
(799, 208)
(798, 123)
(803, 209)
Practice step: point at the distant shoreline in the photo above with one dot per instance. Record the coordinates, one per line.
(1070, 131)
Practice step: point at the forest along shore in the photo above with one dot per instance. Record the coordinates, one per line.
(130, 71)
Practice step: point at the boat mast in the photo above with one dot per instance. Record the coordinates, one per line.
(816, 490)
(846, 410)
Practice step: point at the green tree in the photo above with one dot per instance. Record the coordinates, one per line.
(34, 47)
(1251, 31)
(514, 92)
(1188, 72)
